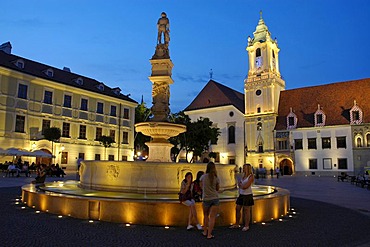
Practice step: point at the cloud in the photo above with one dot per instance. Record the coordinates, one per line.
(191, 78)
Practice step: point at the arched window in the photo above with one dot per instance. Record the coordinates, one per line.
(260, 147)
(231, 131)
(258, 52)
(368, 140)
(359, 142)
(258, 109)
(273, 54)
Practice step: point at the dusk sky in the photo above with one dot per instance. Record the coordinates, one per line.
(320, 41)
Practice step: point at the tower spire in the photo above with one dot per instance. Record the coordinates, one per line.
(260, 14)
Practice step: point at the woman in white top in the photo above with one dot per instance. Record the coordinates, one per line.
(245, 199)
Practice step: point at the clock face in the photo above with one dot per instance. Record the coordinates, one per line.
(258, 62)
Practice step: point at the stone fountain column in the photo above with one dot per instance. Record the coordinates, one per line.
(159, 128)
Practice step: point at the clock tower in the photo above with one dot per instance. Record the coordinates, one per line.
(262, 89)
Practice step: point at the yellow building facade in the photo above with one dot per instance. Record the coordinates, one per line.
(35, 96)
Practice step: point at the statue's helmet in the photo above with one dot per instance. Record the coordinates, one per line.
(164, 14)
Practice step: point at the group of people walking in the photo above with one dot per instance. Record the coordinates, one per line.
(206, 188)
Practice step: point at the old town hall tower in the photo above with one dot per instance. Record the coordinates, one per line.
(262, 88)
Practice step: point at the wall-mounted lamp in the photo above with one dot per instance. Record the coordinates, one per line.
(33, 145)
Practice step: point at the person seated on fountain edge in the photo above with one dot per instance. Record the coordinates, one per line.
(186, 198)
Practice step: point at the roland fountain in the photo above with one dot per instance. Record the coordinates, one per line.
(137, 192)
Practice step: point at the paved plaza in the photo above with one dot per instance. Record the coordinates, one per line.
(328, 213)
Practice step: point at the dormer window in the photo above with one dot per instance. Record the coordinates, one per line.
(49, 72)
(79, 81)
(116, 91)
(19, 63)
(320, 117)
(355, 114)
(100, 86)
(291, 120)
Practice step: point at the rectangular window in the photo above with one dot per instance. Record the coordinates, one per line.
(113, 110)
(81, 156)
(97, 156)
(65, 130)
(312, 164)
(19, 123)
(298, 144)
(341, 142)
(125, 137)
(100, 108)
(67, 101)
(45, 125)
(111, 157)
(124, 157)
(312, 143)
(64, 159)
(99, 133)
(126, 113)
(82, 132)
(326, 143)
(342, 164)
(48, 97)
(22, 91)
(291, 121)
(356, 115)
(282, 144)
(319, 119)
(112, 134)
(84, 104)
(327, 164)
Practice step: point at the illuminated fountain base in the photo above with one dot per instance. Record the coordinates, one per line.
(113, 196)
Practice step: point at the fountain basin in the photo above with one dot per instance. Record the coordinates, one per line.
(146, 193)
(145, 177)
(160, 131)
(69, 199)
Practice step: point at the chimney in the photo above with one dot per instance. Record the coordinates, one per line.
(67, 69)
(6, 47)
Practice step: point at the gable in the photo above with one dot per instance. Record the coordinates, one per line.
(215, 94)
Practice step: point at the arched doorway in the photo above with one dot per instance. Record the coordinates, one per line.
(44, 160)
(286, 167)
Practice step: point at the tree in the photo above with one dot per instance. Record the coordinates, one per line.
(107, 142)
(142, 114)
(198, 135)
(52, 134)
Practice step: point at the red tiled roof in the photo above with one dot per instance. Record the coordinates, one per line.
(335, 99)
(61, 76)
(215, 94)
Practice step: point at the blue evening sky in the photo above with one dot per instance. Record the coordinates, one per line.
(112, 41)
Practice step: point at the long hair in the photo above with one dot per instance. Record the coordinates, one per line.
(248, 170)
(199, 174)
(188, 173)
(211, 171)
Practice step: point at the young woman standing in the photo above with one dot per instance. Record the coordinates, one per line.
(210, 184)
(245, 199)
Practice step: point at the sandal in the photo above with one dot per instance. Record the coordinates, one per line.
(234, 226)
(246, 228)
(204, 234)
(211, 237)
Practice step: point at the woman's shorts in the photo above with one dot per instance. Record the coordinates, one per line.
(189, 202)
(245, 200)
(210, 203)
